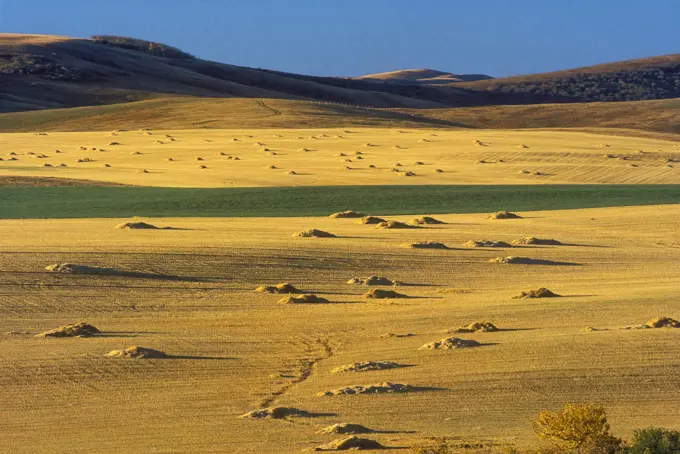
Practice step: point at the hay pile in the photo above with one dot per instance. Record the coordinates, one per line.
(378, 293)
(275, 413)
(486, 243)
(303, 299)
(663, 322)
(370, 220)
(438, 171)
(137, 352)
(81, 329)
(70, 268)
(408, 174)
(313, 233)
(284, 288)
(534, 240)
(372, 280)
(345, 428)
(426, 220)
(365, 366)
(449, 343)
(397, 335)
(395, 225)
(350, 444)
(427, 245)
(476, 327)
(346, 214)
(136, 225)
(512, 260)
(504, 215)
(379, 388)
(539, 293)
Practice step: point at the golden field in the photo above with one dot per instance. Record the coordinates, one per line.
(171, 158)
(235, 350)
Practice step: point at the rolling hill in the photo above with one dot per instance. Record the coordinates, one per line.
(48, 72)
(424, 76)
(631, 80)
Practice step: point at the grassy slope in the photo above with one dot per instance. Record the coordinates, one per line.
(193, 113)
(190, 113)
(96, 202)
(659, 115)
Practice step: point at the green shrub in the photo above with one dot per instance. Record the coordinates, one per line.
(577, 428)
(141, 45)
(654, 440)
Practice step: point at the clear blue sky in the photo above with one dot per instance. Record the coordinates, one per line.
(355, 37)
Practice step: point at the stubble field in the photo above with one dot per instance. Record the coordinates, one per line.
(234, 350)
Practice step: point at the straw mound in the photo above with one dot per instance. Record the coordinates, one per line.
(427, 245)
(365, 366)
(78, 269)
(534, 240)
(408, 174)
(663, 322)
(136, 225)
(477, 327)
(303, 299)
(137, 352)
(379, 388)
(486, 243)
(449, 343)
(395, 225)
(313, 233)
(438, 171)
(426, 220)
(378, 293)
(372, 280)
(350, 444)
(278, 288)
(512, 260)
(504, 215)
(275, 413)
(539, 293)
(346, 428)
(346, 214)
(398, 335)
(77, 330)
(370, 220)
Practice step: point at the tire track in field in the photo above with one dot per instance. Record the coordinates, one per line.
(262, 104)
(316, 351)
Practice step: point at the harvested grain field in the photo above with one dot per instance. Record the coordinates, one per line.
(188, 292)
(235, 158)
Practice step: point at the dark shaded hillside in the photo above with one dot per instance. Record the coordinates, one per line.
(47, 72)
(633, 80)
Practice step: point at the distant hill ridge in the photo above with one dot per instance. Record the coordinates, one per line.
(46, 72)
(424, 76)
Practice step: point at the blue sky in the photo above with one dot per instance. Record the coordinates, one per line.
(354, 37)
